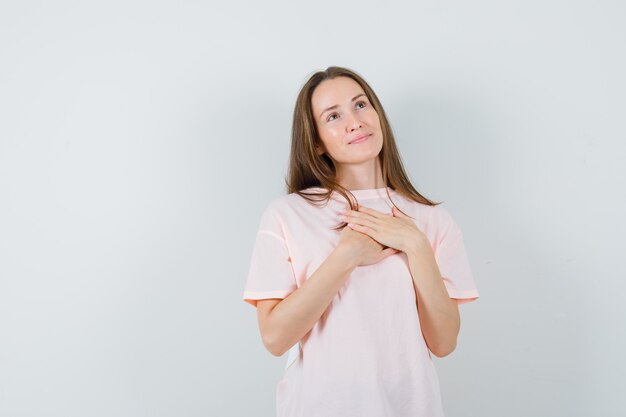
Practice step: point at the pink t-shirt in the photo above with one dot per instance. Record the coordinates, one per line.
(366, 356)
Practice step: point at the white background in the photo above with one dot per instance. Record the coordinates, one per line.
(140, 141)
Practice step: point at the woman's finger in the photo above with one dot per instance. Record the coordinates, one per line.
(360, 215)
(389, 251)
(361, 228)
(372, 212)
(364, 220)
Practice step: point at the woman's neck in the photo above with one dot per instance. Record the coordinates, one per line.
(363, 176)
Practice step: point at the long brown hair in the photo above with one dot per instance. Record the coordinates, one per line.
(308, 169)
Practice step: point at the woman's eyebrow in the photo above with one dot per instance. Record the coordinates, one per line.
(337, 105)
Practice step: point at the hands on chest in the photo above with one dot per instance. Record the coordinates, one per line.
(370, 236)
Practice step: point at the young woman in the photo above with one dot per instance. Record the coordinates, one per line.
(354, 269)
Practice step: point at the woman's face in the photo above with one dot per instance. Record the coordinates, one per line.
(347, 123)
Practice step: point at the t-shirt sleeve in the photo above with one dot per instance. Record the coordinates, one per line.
(452, 259)
(270, 273)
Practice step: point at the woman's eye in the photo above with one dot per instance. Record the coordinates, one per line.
(329, 117)
(360, 102)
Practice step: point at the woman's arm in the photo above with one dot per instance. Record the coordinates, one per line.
(438, 313)
(284, 322)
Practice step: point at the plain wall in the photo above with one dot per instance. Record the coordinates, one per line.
(140, 142)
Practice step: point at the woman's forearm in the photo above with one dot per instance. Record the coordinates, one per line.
(438, 313)
(293, 317)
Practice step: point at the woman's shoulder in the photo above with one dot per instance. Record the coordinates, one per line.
(416, 207)
(439, 214)
(441, 221)
(275, 211)
(287, 209)
(434, 218)
(288, 202)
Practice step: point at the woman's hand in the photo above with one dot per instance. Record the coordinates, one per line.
(360, 249)
(395, 230)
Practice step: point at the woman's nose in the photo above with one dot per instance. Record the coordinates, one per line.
(354, 123)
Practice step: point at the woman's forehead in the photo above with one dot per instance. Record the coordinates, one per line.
(336, 91)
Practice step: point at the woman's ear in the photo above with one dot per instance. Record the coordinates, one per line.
(319, 150)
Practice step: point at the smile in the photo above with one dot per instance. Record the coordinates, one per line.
(359, 139)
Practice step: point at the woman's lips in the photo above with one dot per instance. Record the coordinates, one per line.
(359, 139)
